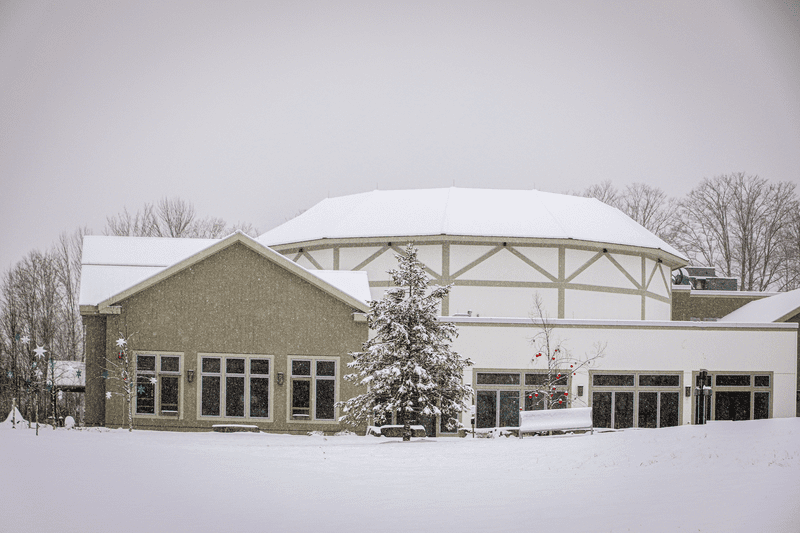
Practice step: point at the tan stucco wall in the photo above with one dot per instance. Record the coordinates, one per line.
(234, 302)
(689, 304)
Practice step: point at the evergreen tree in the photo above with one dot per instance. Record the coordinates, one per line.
(408, 366)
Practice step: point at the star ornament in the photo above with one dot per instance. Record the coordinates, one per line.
(121, 342)
(25, 339)
(40, 351)
(108, 396)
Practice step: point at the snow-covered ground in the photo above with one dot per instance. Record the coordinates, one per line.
(726, 477)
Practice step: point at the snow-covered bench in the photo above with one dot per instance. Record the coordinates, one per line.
(396, 431)
(577, 418)
(232, 428)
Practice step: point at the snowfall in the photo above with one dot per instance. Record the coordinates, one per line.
(725, 476)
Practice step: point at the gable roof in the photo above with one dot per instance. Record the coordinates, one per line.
(466, 212)
(778, 308)
(115, 268)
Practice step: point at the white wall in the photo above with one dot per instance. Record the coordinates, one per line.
(676, 346)
(504, 283)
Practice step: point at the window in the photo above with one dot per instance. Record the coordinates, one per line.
(737, 396)
(618, 403)
(499, 395)
(313, 389)
(234, 386)
(158, 379)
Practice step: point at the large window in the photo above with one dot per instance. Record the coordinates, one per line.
(313, 389)
(158, 381)
(736, 396)
(646, 400)
(234, 386)
(499, 395)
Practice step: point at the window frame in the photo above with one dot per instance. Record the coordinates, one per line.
(248, 376)
(521, 387)
(753, 389)
(157, 373)
(312, 378)
(636, 389)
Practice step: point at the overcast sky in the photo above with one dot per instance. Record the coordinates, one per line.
(254, 111)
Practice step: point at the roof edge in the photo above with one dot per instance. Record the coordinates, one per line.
(250, 242)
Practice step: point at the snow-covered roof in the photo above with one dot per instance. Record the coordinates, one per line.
(777, 308)
(69, 374)
(465, 212)
(113, 267)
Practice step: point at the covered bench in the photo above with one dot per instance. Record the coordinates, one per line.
(577, 418)
(233, 428)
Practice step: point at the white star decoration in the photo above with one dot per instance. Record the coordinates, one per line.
(108, 395)
(121, 342)
(25, 339)
(153, 381)
(40, 351)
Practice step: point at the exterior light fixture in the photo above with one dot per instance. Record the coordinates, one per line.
(190, 375)
(580, 390)
(280, 378)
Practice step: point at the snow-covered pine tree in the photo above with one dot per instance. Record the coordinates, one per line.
(408, 367)
(550, 389)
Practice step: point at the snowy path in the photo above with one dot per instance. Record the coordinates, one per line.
(725, 477)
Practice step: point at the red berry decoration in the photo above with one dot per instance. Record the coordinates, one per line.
(560, 401)
(566, 394)
(559, 374)
(537, 394)
(570, 366)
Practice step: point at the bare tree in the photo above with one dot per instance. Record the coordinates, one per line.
(789, 255)
(737, 223)
(650, 207)
(550, 390)
(605, 192)
(120, 371)
(171, 217)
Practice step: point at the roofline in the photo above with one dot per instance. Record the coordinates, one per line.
(237, 237)
(677, 262)
(604, 323)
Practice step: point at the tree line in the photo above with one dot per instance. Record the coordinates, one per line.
(39, 303)
(745, 226)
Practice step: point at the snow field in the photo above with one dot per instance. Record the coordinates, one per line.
(726, 477)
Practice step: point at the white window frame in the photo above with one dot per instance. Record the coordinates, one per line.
(248, 375)
(312, 418)
(157, 374)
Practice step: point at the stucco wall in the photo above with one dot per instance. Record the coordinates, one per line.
(235, 302)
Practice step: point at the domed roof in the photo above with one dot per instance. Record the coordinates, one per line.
(465, 212)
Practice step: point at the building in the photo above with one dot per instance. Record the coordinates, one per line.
(222, 331)
(601, 278)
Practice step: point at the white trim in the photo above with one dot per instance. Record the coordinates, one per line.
(641, 324)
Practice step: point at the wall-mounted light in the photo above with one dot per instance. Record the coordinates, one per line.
(688, 392)
(280, 378)
(580, 390)
(190, 375)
